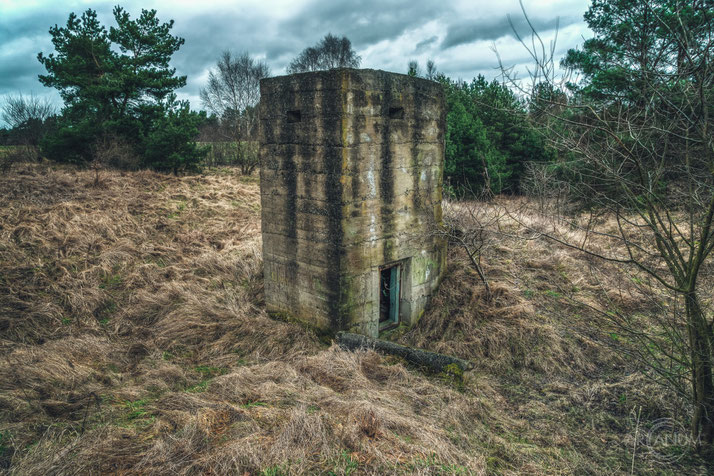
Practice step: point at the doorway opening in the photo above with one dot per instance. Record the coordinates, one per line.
(396, 113)
(389, 294)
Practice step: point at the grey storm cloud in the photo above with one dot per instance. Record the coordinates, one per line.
(364, 23)
(206, 38)
(280, 41)
(20, 41)
(469, 31)
(386, 33)
(423, 45)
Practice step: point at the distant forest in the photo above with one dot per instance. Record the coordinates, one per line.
(120, 108)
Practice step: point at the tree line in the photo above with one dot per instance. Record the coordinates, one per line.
(120, 107)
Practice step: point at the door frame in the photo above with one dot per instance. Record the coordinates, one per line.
(395, 295)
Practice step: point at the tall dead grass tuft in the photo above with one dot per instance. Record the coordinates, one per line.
(101, 451)
(503, 333)
(296, 416)
(115, 292)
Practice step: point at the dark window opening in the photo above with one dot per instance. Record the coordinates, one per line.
(396, 113)
(294, 116)
(389, 292)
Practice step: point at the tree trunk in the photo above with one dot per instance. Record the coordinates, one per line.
(421, 358)
(700, 340)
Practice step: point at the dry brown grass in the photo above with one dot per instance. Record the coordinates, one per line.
(134, 341)
(518, 328)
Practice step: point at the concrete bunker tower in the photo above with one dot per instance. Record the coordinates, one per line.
(351, 183)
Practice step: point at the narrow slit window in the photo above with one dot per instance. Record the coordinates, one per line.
(294, 116)
(396, 113)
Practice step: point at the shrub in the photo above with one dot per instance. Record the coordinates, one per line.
(170, 145)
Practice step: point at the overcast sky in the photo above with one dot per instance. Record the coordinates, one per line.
(458, 35)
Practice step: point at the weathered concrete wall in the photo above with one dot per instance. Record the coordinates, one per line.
(351, 180)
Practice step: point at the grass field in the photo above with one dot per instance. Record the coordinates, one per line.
(10, 154)
(6, 149)
(134, 341)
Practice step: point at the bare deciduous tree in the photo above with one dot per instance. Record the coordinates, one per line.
(472, 225)
(27, 116)
(413, 68)
(541, 182)
(330, 53)
(19, 109)
(430, 71)
(232, 94)
(112, 151)
(643, 146)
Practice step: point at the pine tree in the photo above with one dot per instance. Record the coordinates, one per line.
(119, 82)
